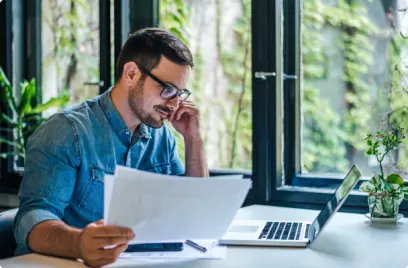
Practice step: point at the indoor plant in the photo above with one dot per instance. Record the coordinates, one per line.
(21, 117)
(385, 193)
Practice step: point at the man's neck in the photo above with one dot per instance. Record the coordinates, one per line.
(120, 101)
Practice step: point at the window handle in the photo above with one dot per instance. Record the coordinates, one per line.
(263, 75)
(289, 76)
(100, 83)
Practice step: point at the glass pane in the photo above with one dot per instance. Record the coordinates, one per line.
(70, 49)
(219, 36)
(354, 65)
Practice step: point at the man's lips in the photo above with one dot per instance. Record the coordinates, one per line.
(162, 113)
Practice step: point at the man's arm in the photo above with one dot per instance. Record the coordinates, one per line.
(196, 163)
(186, 120)
(55, 238)
(58, 239)
(52, 157)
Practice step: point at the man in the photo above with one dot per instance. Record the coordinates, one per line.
(61, 195)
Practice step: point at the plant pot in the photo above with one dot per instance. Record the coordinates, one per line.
(384, 205)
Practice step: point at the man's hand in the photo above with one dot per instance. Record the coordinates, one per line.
(96, 236)
(186, 120)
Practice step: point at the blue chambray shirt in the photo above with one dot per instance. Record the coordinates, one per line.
(68, 156)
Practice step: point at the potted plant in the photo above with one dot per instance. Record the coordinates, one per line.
(21, 117)
(385, 192)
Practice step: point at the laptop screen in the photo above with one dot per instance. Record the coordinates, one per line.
(335, 201)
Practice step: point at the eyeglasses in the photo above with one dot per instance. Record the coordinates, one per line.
(169, 92)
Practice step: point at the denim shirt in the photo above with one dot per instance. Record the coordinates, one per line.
(68, 156)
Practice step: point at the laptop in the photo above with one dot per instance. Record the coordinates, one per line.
(290, 233)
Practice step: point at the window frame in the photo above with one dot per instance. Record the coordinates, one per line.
(6, 62)
(23, 44)
(277, 176)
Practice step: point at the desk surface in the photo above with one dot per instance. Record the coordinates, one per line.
(349, 240)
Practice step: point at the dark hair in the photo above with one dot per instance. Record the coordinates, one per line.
(146, 46)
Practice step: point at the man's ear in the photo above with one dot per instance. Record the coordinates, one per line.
(131, 72)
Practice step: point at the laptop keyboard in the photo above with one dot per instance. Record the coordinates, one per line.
(282, 230)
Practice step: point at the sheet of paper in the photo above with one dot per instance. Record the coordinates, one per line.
(214, 251)
(108, 187)
(166, 208)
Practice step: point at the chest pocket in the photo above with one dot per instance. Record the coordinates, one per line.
(92, 198)
(163, 168)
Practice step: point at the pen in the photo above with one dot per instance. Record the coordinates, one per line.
(196, 246)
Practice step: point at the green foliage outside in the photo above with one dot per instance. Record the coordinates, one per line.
(236, 66)
(75, 43)
(22, 116)
(174, 16)
(329, 138)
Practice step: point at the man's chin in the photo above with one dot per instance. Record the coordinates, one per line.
(154, 124)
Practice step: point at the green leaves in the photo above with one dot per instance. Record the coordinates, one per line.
(368, 187)
(395, 178)
(385, 196)
(53, 102)
(174, 16)
(12, 143)
(6, 93)
(4, 82)
(28, 91)
(404, 191)
(24, 118)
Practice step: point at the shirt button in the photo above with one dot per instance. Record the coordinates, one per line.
(127, 133)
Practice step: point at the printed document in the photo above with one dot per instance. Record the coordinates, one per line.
(160, 207)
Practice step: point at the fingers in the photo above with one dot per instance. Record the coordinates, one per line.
(101, 257)
(188, 102)
(114, 252)
(96, 236)
(170, 118)
(106, 256)
(185, 106)
(188, 109)
(112, 231)
(101, 242)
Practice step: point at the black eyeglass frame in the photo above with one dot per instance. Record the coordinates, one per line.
(165, 86)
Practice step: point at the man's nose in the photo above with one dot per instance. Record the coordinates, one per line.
(173, 104)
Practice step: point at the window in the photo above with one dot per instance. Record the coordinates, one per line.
(219, 36)
(353, 68)
(340, 69)
(72, 53)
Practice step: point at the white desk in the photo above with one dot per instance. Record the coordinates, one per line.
(350, 240)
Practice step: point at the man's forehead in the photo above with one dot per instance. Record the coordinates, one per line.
(171, 72)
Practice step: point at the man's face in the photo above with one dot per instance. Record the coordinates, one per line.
(144, 96)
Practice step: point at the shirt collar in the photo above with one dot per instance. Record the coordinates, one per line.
(116, 120)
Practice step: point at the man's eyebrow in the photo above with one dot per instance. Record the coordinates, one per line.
(171, 84)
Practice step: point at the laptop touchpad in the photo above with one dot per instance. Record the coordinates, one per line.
(243, 229)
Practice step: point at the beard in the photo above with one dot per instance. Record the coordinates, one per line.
(135, 100)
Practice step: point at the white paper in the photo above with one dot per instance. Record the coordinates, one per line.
(167, 208)
(108, 187)
(214, 251)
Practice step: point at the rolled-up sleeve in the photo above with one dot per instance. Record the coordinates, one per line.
(52, 158)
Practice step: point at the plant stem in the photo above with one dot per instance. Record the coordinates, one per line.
(380, 161)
